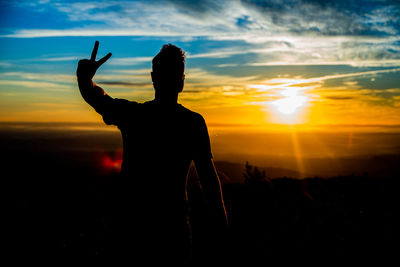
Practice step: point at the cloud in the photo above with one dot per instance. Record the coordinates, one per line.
(218, 53)
(26, 76)
(56, 59)
(5, 64)
(277, 32)
(356, 74)
(232, 17)
(337, 97)
(332, 18)
(130, 61)
(36, 33)
(125, 84)
(315, 90)
(48, 86)
(288, 82)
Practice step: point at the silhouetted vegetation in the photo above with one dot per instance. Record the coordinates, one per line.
(253, 174)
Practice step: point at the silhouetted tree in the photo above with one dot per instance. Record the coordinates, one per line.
(253, 174)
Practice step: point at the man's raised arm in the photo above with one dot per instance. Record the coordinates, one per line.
(93, 94)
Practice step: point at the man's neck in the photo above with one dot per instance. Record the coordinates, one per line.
(169, 100)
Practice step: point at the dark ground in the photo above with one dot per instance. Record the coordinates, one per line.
(64, 214)
(58, 207)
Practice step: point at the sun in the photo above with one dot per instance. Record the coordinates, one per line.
(288, 100)
(291, 104)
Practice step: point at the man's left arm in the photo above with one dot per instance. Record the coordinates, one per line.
(211, 185)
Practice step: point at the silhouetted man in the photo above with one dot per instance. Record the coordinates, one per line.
(161, 138)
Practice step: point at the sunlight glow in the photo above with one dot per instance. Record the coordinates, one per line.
(291, 102)
(284, 99)
(289, 105)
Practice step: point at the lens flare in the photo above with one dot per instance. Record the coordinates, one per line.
(112, 162)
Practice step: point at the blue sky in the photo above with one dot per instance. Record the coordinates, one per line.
(247, 61)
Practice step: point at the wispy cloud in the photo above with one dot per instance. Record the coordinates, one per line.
(125, 84)
(282, 83)
(339, 97)
(36, 84)
(56, 59)
(130, 61)
(21, 75)
(36, 33)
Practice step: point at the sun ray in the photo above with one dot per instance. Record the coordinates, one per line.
(297, 152)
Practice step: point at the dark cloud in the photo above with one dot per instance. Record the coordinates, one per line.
(325, 17)
(130, 84)
(196, 7)
(332, 17)
(337, 97)
(193, 91)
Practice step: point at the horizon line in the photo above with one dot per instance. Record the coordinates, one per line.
(212, 124)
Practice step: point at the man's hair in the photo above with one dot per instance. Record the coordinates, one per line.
(170, 59)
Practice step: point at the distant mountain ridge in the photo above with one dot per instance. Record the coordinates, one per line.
(230, 172)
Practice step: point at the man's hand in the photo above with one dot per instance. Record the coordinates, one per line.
(88, 67)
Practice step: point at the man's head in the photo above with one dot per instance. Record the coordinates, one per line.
(168, 70)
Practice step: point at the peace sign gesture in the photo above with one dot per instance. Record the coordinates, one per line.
(88, 67)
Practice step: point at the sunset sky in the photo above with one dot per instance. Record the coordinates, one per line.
(248, 62)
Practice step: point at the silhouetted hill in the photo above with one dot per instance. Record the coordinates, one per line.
(230, 172)
(58, 139)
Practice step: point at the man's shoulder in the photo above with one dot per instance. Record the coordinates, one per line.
(191, 113)
(122, 101)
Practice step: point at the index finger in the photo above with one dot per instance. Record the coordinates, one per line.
(94, 52)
